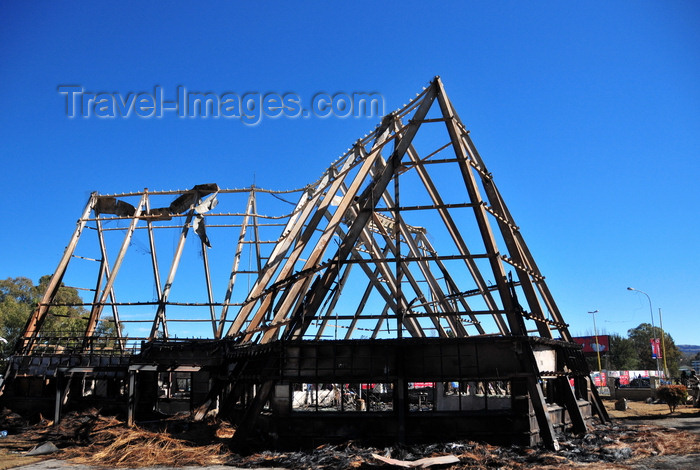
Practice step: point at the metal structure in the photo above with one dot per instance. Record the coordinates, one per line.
(394, 293)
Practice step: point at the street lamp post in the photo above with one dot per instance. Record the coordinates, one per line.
(651, 311)
(597, 346)
(663, 343)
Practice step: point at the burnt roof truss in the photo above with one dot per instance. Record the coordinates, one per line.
(406, 234)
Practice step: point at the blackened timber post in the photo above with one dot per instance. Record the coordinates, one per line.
(401, 391)
(58, 402)
(131, 403)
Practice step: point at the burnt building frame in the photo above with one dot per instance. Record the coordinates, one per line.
(398, 283)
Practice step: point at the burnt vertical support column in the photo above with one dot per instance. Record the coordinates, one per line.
(58, 403)
(253, 409)
(581, 387)
(113, 386)
(131, 403)
(522, 410)
(401, 390)
(154, 257)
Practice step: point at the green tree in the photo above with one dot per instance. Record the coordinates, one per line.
(19, 297)
(622, 354)
(641, 338)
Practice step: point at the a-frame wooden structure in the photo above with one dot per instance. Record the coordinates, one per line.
(404, 242)
(425, 227)
(367, 202)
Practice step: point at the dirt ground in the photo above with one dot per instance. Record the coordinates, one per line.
(638, 410)
(685, 418)
(645, 436)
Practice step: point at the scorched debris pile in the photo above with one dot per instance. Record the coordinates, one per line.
(92, 439)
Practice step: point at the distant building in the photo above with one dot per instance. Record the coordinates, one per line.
(592, 345)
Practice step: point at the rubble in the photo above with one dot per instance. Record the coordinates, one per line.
(45, 448)
(607, 446)
(91, 439)
(11, 421)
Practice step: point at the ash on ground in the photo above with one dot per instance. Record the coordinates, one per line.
(617, 446)
(92, 439)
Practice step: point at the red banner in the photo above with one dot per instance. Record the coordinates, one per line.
(624, 377)
(655, 348)
(600, 379)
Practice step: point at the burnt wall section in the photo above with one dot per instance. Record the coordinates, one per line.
(389, 391)
(302, 393)
(290, 394)
(52, 383)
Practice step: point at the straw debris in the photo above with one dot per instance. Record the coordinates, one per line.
(134, 447)
(113, 444)
(91, 439)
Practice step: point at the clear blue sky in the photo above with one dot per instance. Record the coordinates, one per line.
(587, 115)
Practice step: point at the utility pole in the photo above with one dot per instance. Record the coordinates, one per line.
(597, 346)
(663, 343)
(653, 328)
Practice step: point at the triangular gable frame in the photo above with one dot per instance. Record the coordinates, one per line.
(286, 305)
